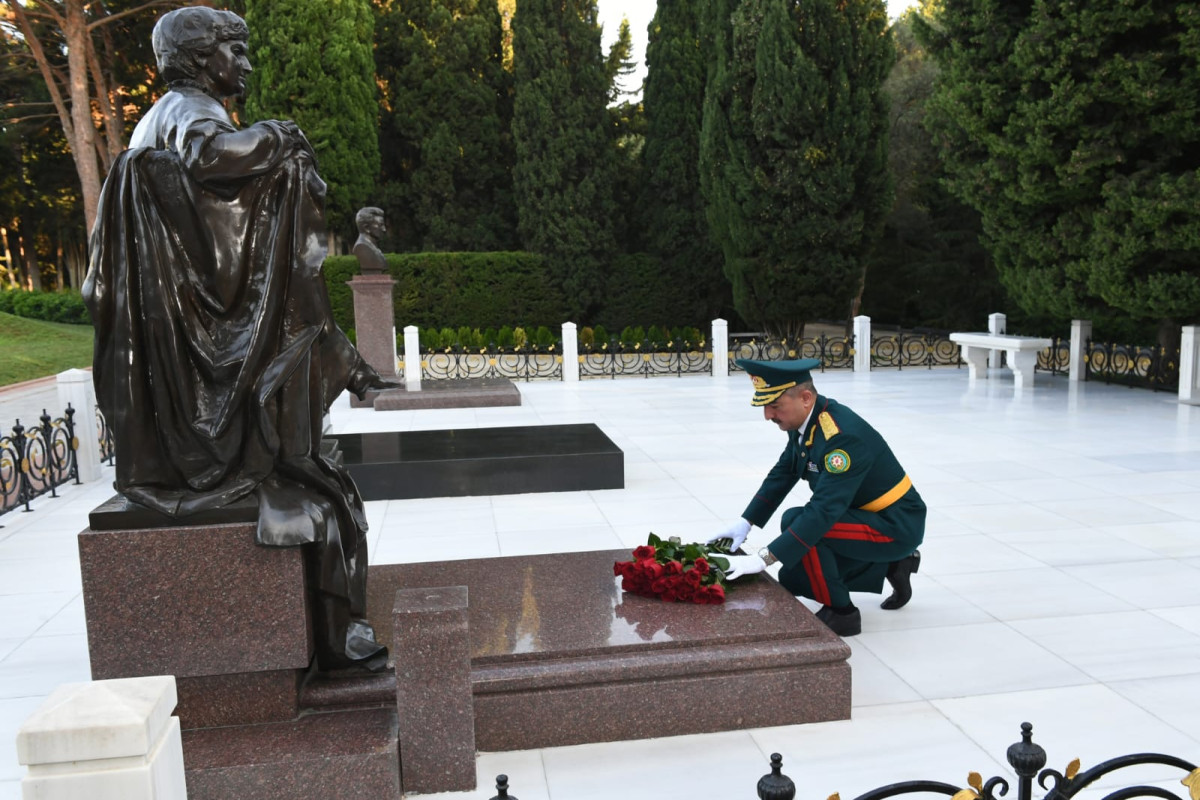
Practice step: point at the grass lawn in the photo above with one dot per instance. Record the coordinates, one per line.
(30, 348)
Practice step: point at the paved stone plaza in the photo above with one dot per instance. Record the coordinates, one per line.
(1060, 580)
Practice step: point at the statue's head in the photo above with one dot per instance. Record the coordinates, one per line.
(370, 221)
(187, 39)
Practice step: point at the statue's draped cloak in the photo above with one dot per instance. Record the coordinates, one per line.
(216, 354)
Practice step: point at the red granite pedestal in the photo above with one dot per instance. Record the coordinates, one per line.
(494, 654)
(374, 326)
(231, 621)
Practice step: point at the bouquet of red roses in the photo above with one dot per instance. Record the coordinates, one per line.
(676, 572)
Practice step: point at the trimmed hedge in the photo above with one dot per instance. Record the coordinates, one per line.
(492, 290)
(65, 306)
(455, 290)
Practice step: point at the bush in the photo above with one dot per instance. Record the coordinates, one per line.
(64, 306)
(456, 289)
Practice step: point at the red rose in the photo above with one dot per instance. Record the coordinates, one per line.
(692, 579)
(643, 552)
(673, 568)
(670, 595)
(702, 566)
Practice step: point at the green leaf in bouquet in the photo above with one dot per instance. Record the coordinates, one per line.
(718, 562)
(722, 545)
(653, 541)
(692, 551)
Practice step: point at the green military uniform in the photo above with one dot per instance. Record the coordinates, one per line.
(864, 512)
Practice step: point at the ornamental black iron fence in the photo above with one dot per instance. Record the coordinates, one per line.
(108, 448)
(645, 358)
(916, 348)
(1055, 359)
(1025, 757)
(834, 352)
(35, 461)
(517, 363)
(1146, 366)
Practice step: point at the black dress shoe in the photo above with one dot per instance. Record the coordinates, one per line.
(899, 576)
(841, 624)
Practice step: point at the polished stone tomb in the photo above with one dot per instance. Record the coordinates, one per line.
(558, 654)
(482, 461)
(446, 393)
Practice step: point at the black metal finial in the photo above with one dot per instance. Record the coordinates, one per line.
(1026, 758)
(776, 785)
(502, 789)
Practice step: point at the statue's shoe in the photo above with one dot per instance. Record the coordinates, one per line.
(841, 624)
(900, 577)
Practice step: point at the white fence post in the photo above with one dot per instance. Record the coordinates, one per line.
(1189, 365)
(412, 358)
(720, 348)
(862, 343)
(105, 740)
(75, 387)
(997, 323)
(1081, 333)
(570, 353)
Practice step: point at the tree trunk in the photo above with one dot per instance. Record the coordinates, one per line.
(30, 272)
(83, 142)
(8, 278)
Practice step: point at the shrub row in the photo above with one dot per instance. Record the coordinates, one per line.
(544, 337)
(490, 290)
(485, 290)
(64, 306)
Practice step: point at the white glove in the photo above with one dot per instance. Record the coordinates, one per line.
(735, 533)
(741, 566)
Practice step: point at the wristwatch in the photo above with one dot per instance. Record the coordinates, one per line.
(767, 556)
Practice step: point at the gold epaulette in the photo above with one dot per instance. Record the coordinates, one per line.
(828, 426)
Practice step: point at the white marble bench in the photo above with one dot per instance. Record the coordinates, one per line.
(1022, 353)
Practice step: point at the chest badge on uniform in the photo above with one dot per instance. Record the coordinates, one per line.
(837, 461)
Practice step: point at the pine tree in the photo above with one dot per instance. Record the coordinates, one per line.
(671, 218)
(794, 153)
(313, 64)
(447, 107)
(563, 179)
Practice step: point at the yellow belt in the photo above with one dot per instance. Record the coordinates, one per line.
(890, 496)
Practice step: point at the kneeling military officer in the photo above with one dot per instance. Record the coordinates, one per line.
(864, 520)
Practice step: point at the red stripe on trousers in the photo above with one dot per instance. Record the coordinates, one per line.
(850, 530)
(816, 577)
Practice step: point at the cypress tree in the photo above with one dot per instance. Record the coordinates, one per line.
(1091, 164)
(444, 132)
(313, 64)
(929, 267)
(563, 178)
(794, 153)
(672, 223)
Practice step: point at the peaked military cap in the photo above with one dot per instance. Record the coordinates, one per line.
(773, 378)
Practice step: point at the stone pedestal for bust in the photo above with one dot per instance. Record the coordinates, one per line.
(374, 326)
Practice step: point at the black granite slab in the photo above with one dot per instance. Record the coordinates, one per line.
(483, 461)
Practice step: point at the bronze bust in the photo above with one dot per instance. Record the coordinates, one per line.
(371, 229)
